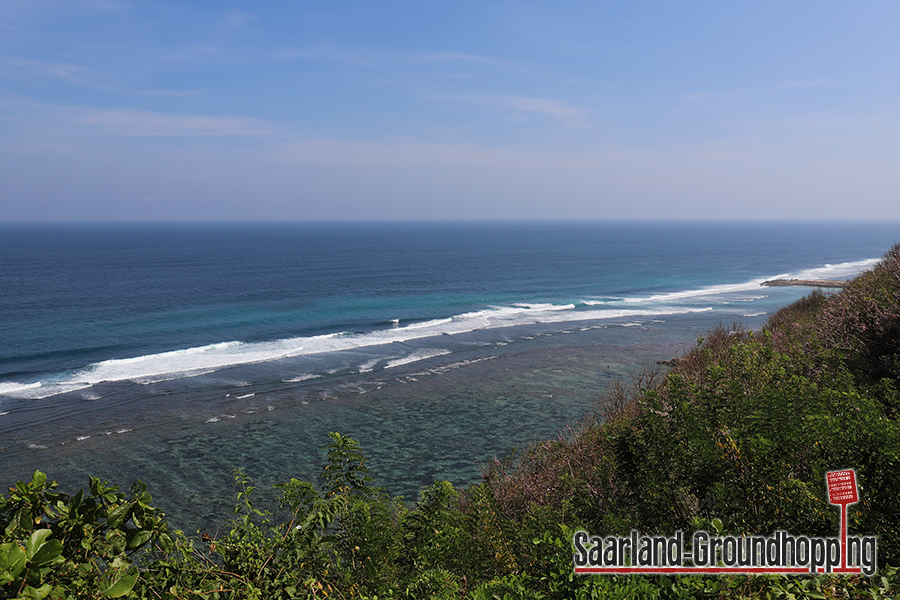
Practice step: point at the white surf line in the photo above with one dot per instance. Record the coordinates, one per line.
(206, 359)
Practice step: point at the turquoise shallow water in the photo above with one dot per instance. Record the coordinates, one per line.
(177, 353)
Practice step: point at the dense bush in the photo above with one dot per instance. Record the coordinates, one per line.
(82, 546)
(345, 540)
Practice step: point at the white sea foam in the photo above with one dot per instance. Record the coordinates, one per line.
(369, 365)
(171, 376)
(39, 391)
(841, 271)
(300, 378)
(420, 354)
(544, 306)
(456, 365)
(704, 292)
(846, 270)
(205, 359)
(13, 388)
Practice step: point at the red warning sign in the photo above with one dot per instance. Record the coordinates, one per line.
(842, 487)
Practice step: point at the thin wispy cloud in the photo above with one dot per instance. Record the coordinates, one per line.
(20, 7)
(806, 83)
(235, 19)
(786, 85)
(329, 53)
(29, 121)
(461, 57)
(525, 108)
(54, 69)
(89, 77)
(234, 23)
(362, 57)
(165, 93)
(101, 5)
(455, 56)
(703, 96)
(131, 122)
(405, 153)
(387, 154)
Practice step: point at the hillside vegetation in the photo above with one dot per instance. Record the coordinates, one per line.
(736, 438)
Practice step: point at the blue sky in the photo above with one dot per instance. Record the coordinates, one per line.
(130, 110)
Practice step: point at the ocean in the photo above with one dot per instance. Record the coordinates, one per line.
(175, 353)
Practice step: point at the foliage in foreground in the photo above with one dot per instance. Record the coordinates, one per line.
(739, 433)
(82, 546)
(345, 540)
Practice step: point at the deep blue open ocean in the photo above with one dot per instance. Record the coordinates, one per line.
(175, 353)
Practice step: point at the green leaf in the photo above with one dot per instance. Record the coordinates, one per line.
(47, 553)
(37, 539)
(166, 543)
(12, 561)
(36, 593)
(39, 478)
(18, 521)
(140, 538)
(118, 514)
(117, 582)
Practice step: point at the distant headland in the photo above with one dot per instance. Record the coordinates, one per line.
(822, 283)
